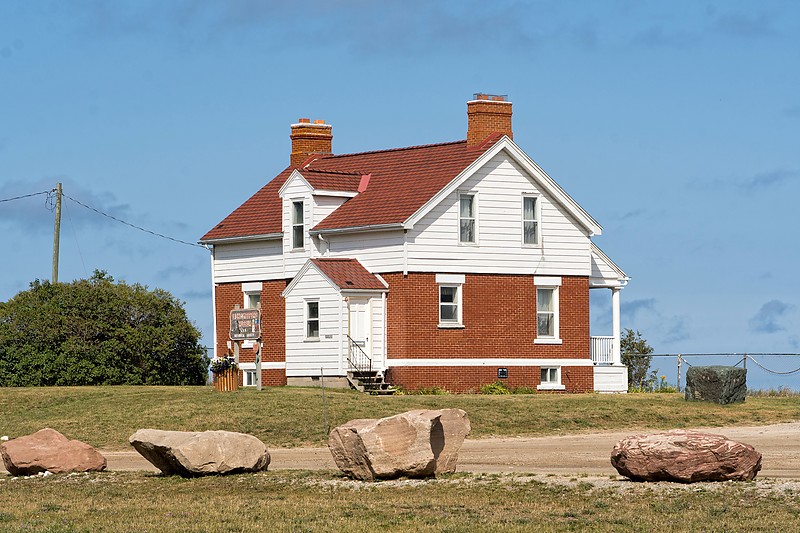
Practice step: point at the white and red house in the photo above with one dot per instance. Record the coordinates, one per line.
(448, 265)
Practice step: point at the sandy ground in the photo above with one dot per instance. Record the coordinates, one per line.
(567, 455)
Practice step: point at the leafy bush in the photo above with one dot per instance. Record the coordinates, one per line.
(98, 332)
(636, 356)
(498, 387)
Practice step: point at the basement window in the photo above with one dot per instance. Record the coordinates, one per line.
(550, 378)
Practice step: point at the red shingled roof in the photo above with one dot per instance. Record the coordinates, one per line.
(348, 273)
(402, 180)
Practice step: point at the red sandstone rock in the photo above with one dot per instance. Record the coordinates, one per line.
(685, 457)
(48, 450)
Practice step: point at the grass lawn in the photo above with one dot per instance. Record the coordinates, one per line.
(285, 416)
(326, 501)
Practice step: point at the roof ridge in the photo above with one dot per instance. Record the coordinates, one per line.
(341, 172)
(415, 147)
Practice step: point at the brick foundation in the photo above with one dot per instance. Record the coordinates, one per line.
(470, 378)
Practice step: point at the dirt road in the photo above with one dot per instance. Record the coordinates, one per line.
(779, 445)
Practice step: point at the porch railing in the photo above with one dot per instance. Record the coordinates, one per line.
(357, 358)
(602, 350)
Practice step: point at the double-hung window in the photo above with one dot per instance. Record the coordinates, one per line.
(450, 307)
(467, 219)
(298, 231)
(547, 315)
(312, 320)
(530, 220)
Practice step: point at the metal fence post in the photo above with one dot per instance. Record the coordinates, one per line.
(679, 372)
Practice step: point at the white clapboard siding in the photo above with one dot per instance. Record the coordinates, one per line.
(499, 186)
(303, 357)
(295, 190)
(378, 342)
(378, 251)
(248, 261)
(324, 206)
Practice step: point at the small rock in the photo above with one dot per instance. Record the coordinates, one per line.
(685, 457)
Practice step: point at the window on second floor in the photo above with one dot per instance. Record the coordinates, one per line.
(467, 219)
(298, 231)
(530, 220)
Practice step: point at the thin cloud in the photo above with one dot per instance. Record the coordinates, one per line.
(197, 295)
(745, 26)
(632, 308)
(657, 36)
(35, 214)
(767, 180)
(676, 329)
(768, 318)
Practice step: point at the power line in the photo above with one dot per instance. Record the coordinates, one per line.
(132, 225)
(24, 196)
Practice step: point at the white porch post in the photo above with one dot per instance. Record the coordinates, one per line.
(615, 325)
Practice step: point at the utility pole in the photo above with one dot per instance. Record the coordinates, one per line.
(56, 233)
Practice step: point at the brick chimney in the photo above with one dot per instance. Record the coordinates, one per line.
(487, 114)
(309, 139)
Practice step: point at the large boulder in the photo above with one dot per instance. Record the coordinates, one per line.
(47, 450)
(685, 457)
(718, 384)
(420, 443)
(190, 454)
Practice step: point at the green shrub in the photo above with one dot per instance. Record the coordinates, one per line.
(498, 387)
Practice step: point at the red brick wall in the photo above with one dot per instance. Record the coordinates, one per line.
(499, 317)
(470, 378)
(273, 329)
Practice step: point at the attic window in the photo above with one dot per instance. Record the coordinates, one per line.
(297, 225)
(348, 282)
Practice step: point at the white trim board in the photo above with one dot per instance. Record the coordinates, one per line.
(265, 365)
(488, 362)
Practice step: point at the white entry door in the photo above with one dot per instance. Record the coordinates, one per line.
(359, 324)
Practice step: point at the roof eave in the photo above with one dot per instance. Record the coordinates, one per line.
(357, 229)
(243, 238)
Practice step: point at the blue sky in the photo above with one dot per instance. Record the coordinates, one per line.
(675, 124)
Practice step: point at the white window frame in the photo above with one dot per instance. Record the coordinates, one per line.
(306, 319)
(474, 218)
(249, 378)
(298, 225)
(550, 384)
(455, 281)
(537, 219)
(552, 283)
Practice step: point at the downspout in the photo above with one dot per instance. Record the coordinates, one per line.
(213, 296)
(405, 252)
(385, 329)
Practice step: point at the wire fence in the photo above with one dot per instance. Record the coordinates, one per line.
(764, 370)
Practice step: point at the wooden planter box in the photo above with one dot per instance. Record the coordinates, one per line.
(227, 381)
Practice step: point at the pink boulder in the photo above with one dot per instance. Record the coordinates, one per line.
(48, 450)
(685, 457)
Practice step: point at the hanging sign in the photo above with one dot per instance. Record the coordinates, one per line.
(245, 324)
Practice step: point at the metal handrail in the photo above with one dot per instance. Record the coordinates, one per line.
(357, 358)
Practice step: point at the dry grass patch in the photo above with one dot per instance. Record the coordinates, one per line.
(303, 501)
(286, 416)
